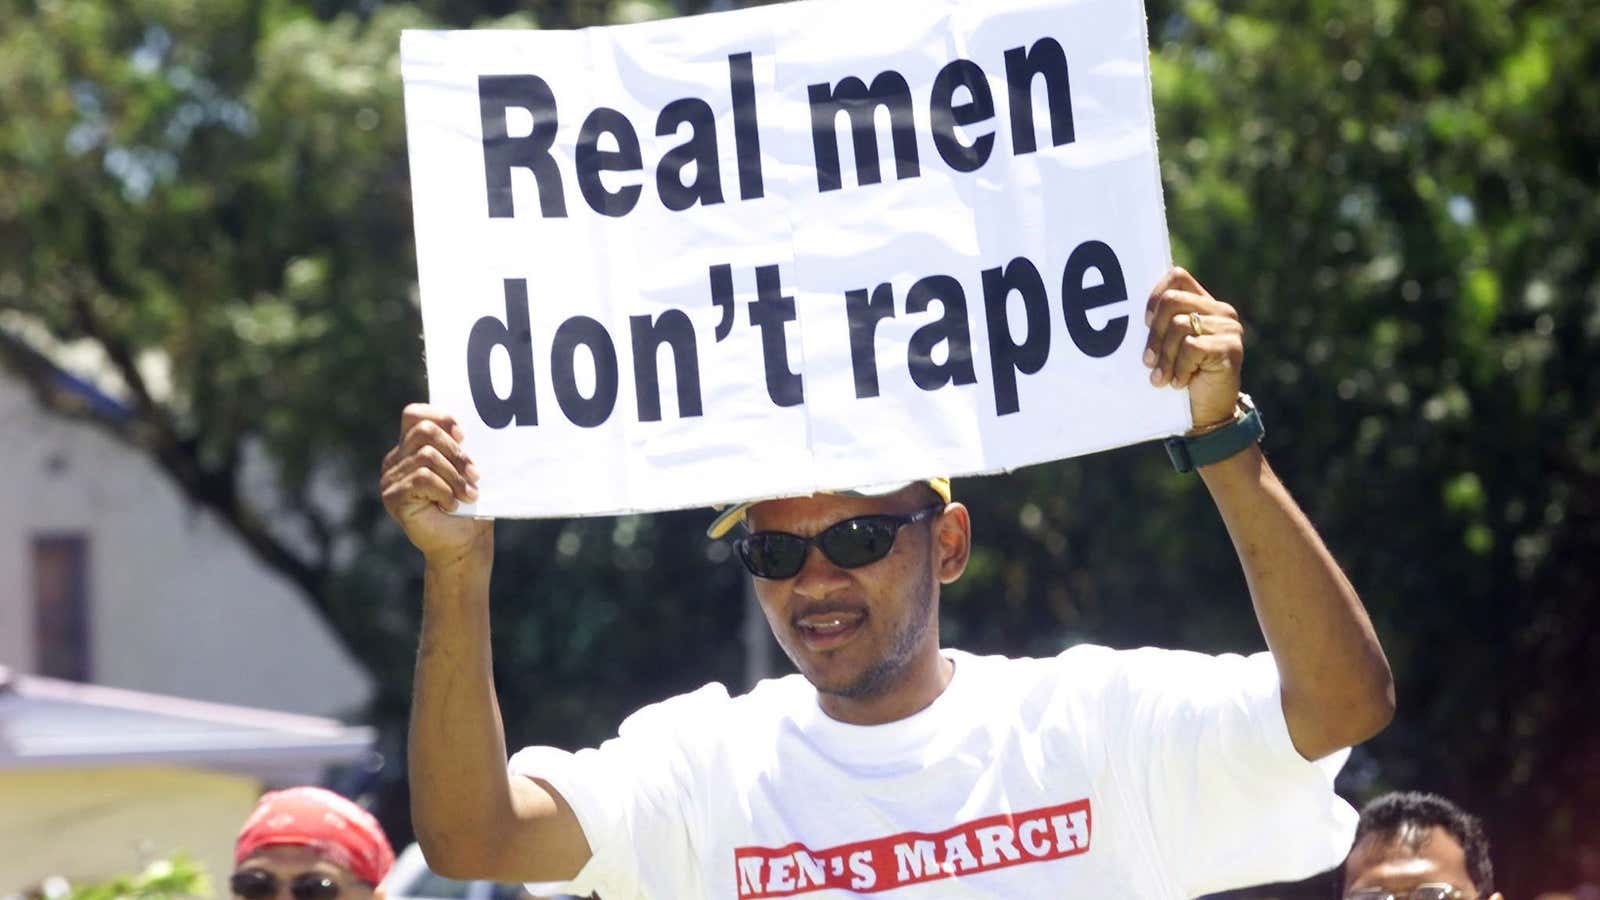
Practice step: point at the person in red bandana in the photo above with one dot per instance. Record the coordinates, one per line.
(309, 844)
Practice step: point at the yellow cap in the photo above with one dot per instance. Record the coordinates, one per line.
(733, 515)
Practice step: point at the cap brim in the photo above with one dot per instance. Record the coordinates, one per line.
(728, 518)
(733, 515)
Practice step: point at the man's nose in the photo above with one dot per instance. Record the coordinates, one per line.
(819, 576)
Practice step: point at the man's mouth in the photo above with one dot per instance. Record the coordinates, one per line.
(828, 630)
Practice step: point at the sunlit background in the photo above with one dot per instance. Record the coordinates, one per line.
(209, 324)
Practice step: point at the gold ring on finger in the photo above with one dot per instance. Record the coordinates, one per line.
(1196, 325)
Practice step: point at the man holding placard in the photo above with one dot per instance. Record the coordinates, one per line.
(796, 327)
(892, 763)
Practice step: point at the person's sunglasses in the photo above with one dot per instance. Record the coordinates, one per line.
(1420, 892)
(256, 884)
(849, 544)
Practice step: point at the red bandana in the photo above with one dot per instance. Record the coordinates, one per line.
(337, 829)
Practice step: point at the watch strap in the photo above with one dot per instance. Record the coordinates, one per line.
(1190, 453)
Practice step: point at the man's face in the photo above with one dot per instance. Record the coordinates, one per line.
(854, 632)
(287, 862)
(1399, 863)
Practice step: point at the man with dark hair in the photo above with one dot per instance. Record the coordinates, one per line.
(1414, 846)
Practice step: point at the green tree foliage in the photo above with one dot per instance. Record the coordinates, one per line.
(1399, 196)
(216, 196)
(1402, 198)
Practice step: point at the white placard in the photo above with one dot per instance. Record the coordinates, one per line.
(786, 249)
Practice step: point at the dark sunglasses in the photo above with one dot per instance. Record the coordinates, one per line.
(256, 884)
(849, 544)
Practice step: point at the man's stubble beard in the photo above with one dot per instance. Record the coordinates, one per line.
(887, 673)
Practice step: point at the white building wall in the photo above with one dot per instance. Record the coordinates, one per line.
(177, 605)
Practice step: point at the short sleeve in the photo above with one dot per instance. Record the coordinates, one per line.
(1201, 744)
(634, 791)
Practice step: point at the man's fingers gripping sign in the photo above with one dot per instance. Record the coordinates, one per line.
(1191, 332)
(428, 465)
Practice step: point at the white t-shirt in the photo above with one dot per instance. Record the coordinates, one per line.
(1097, 773)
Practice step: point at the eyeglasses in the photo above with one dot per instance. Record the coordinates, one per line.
(1420, 892)
(849, 544)
(256, 884)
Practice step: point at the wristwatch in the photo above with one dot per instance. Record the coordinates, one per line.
(1190, 452)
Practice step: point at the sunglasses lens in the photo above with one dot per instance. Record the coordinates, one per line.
(772, 554)
(1433, 892)
(857, 542)
(253, 884)
(314, 887)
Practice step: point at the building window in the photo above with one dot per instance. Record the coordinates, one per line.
(61, 606)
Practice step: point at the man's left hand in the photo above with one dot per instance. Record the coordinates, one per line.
(1196, 342)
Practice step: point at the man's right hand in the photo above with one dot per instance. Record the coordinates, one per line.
(427, 476)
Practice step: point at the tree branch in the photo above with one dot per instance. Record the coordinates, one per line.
(148, 429)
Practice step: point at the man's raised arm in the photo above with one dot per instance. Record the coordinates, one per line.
(472, 819)
(1337, 689)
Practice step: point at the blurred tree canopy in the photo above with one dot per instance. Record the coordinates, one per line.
(1399, 196)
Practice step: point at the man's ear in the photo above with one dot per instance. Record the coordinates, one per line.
(952, 542)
